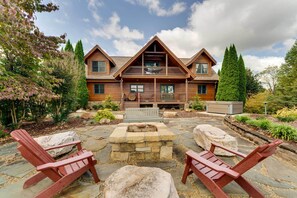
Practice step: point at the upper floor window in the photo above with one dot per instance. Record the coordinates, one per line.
(137, 88)
(99, 88)
(202, 89)
(98, 66)
(201, 68)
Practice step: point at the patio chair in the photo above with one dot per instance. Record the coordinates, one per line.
(62, 172)
(215, 173)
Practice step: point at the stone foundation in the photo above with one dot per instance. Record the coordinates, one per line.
(128, 146)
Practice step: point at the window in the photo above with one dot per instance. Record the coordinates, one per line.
(137, 88)
(201, 68)
(98, 66)
(99, 88)
(202, 89)
(167, 92)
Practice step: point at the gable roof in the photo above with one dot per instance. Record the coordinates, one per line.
(96, 47)
(198, 54)
(155, 38)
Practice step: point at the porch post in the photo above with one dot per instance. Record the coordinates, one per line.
(142, 63)
(122, 95)
(186, 90)
(166, 64)
(155, 90)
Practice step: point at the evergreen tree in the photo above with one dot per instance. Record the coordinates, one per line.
(83, 94)
(219, 72)
(228, 89)
(253, 85)
(242, 80)
(68, 47)
(286, 89)
(222, 83)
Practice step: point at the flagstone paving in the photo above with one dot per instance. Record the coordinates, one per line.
(275, 177)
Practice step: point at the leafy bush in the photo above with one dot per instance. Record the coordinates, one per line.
(284, 132)
(3, 133)
(109, 104)
(255, 103)
(97, 106)
(242, 118)
(286, 114)
(105, 113)
(262, 123)
(197, 104)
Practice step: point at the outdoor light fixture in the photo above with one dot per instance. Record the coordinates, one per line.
(265, 107)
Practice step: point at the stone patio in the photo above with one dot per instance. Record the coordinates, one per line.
(275, 177)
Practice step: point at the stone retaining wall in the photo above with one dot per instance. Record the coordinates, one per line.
(287, 150)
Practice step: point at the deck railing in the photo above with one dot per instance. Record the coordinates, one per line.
(161, 70)
(160, 97)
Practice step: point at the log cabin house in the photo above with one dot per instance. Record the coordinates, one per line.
(154, 76)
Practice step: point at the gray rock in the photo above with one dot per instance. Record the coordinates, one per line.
(169, 114)
(104, 121)
(17, 169)
(2, 180)
(206, 134)
(139, 182)
(58, 139)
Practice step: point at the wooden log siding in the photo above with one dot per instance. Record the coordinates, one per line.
(193, 91)
(97, 56)
(112, 89)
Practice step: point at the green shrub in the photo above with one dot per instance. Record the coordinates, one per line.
(197, 104)
(242, 118)
(255, 103)
(97, 106)
(287, 115)
(286, 119)
(3, 133)
(105, 113)
(262, 123)
(109, 104)
(284, 132)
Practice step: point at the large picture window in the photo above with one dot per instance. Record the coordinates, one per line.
(202, 89)
(99, 88)
(201, 68)
(98, 66)
(137, 88)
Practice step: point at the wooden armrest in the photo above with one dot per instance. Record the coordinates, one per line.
(213, 145)
(211, 165)
(65, 161)
(67, 144)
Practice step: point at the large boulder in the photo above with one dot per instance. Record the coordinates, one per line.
(169, 114)
(205, 134)
(139, 182)
(58, 139)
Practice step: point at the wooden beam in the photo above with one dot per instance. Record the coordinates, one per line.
(142, 64)
(166, 65)
(155, 90)
(122, 95)
(186, 90)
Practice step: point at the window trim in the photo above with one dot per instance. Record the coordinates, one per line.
(98, 66)
(167, 86)
(205, 89)
(137, 88)
(99, 88)
(197, 64)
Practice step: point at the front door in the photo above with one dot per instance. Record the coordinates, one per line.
(167, 92)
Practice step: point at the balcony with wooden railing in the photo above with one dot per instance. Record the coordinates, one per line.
(149, 97)
(155, 70)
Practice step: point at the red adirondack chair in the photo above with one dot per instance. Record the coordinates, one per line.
(62, 172)
(215, 173)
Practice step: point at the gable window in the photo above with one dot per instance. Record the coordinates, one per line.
(201, 68)
(99, 88)
(98, 66)
(151, 63)
(202, 89)
(137, 88)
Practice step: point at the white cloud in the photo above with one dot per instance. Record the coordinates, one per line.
(114, 30)
(250, 25)
(59, 21)
(257, 64)
(86, 20)
(288, 44)
(93, 6)
(124, 47)
(155, 7)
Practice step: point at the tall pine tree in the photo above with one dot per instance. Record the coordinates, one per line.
(68, 47)
(83, 94)
(228, 89)
(242, 80)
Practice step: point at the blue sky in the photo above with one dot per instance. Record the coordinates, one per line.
(262, 30)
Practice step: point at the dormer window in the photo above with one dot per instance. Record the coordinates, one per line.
(201, 68)
(98, 66)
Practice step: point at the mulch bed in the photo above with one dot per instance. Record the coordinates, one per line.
(48, 127)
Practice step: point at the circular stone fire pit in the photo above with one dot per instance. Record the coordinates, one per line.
(141, 141)
(142, 128)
